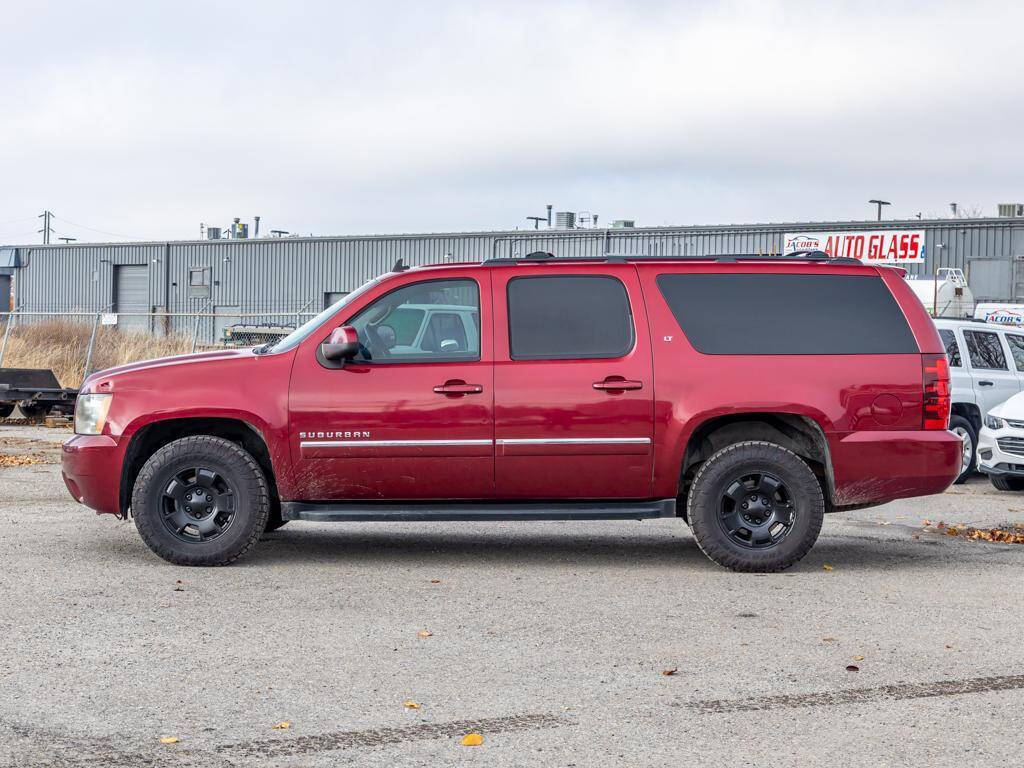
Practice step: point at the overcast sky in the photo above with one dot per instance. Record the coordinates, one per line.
(143, 119)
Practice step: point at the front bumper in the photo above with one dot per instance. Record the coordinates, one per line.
(91, 466)
(996, 460)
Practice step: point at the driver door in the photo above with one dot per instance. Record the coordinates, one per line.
(412, 416)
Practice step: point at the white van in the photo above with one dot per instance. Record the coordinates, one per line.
(986, 365)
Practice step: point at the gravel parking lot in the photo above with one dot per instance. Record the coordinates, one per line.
(552, 640)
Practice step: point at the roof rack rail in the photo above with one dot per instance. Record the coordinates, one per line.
(622, 258)
(539, 256)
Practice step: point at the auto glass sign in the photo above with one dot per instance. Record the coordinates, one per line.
(892, 246)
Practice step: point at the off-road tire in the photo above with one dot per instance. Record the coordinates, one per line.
(235, 464)
(1007, 483)
(720, 471)
(960, 423)
(6, 409)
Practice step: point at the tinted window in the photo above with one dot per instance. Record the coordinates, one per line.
(785, 314)
(985, 351)
(1016, 349)
(952, 349)
(568, 317)
(420, 322)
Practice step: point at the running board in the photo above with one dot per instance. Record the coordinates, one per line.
(337, 512)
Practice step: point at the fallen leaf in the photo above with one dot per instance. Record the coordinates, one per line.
(472, 740)
(852, 668)
(424, 633)
(829, 639)
(827, 567)
(284, 725)
(169, 740)
(949, 646)
(858, 658)
(435, 581)
(410, 704)
(669, 672)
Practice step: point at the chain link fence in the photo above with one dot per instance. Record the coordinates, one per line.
(75, 344)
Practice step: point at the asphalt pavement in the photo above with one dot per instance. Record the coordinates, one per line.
(560, 643)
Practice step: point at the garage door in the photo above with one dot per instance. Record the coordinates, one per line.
(131, 294)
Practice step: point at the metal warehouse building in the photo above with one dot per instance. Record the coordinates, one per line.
(302, 275)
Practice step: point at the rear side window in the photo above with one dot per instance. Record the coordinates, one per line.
(952, 348)
(1016, 349)
(568, 317)
(786, 314)
(985, 351)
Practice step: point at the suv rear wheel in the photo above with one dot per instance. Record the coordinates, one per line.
(201, 500)
(963, 429)
(755, 506)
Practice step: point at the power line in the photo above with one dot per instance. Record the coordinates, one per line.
(17, 221)
(93, 229)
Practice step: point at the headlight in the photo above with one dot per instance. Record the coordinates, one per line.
(993, 423)
(91, 414)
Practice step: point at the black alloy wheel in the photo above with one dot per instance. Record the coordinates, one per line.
(756, 510)
(198, 505)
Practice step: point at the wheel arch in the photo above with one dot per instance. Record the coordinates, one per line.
(798, 433)
(969, 411)
(151, 437)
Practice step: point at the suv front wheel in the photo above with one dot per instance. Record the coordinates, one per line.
(755, 506)
(201, 500)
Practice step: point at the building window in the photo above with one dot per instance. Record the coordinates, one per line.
(199, 282)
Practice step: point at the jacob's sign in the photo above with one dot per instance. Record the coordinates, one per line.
(883, 246)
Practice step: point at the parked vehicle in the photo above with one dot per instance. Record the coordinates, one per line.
(34, 391)
(1002, 314)
(944, 294)
(747, 397)
(986, 364)
(1001, 445)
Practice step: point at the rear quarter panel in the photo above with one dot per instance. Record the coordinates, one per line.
(839, 392)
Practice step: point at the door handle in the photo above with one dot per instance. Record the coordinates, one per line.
(986, 383)
(458, 388)
(617, 384)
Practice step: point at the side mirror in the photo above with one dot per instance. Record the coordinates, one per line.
(343, 344)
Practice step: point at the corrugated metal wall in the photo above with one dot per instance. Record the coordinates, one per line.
(293, 274)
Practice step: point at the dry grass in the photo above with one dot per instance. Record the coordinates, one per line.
(62, 347)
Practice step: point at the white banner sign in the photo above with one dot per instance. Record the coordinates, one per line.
(883, 246)
(108, 319)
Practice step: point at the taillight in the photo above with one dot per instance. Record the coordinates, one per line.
(935, 380)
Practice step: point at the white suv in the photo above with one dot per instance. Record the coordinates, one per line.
(986, 363)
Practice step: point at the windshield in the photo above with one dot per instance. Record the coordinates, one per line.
(297, 336)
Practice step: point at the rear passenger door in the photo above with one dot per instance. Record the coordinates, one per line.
(573, 383)
(994, 382)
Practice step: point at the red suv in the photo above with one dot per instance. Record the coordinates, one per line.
(746, 396)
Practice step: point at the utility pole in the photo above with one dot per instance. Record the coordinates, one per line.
(45, 216)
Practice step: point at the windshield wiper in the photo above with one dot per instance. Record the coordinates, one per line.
(264, 348)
